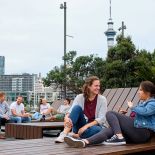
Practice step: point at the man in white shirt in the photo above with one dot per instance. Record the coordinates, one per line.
(18, 114)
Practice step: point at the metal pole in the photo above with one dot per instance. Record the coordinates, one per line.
(65, 7)
(123, 29)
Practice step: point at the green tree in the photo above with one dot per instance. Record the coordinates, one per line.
(126, 66)
(78, 68)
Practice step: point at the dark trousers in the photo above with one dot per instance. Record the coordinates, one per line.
(3, 121)
(119, 123)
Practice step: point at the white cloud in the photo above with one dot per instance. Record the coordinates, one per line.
(31, 31)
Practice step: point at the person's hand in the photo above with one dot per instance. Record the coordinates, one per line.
(42, 113)
(26, 115)
(81, 130)
(130, 104)
(123, 111)
(68, 122)
(6, 117)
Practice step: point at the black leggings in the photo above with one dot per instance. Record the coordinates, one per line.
(119, 123)
(2, 122)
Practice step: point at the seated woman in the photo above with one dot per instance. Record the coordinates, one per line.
(59, 114)
(124, 129)
(86, 117)
(44, 110)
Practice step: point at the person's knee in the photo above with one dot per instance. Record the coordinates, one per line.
(29, 119)
(77, 108)
(108, 114)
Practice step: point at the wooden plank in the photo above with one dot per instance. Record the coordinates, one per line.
(130, 97)
(121, 100)
(110, 95)
(115, 98)
(135, 101)
(106, 92)
(21, 130)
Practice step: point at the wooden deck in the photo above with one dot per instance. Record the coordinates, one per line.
(48, 147)
(116, 100)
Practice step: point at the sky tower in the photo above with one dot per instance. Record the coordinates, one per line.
(110, 33)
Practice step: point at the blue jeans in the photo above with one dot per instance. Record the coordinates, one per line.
(78, 120)
(17, 119)
(37, 116)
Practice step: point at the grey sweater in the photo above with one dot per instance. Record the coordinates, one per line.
(101, 107)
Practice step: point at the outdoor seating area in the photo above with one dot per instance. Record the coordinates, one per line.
(37, 144)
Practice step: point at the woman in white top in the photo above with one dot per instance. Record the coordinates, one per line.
(44, 110)
(86, 117)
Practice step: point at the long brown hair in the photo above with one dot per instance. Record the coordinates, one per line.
(88, 82)
(149, 87)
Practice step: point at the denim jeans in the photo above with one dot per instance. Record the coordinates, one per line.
(17, 119)
(78, 120)
(37, 116)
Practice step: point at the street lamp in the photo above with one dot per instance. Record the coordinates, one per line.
(64, 6)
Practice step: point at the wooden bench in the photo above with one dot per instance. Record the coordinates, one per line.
(30, 130)
(34, 129)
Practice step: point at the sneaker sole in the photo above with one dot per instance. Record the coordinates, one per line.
(118, 143)
(72, 143)
(58, 142)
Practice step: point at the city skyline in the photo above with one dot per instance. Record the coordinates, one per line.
(31, 31)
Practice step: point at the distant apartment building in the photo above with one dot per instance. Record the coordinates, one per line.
(15, 85)
(31, 87)
(2, 65)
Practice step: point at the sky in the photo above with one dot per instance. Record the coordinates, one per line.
(32, 31)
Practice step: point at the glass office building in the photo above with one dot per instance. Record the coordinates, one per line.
(2, 65)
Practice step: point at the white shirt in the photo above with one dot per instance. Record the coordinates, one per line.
(64, 109)
(17, 107)
(44, 107)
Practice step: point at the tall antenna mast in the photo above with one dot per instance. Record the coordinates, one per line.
(110, 9)
(110, 33)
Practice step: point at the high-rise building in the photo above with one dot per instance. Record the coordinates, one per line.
(2, 65)
(110, 33)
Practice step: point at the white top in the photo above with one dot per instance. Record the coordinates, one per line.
(18, 108)
(44, 107)
(63, 108)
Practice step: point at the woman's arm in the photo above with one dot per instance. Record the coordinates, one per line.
(148, 109)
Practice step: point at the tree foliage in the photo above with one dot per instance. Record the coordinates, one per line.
(125, 66)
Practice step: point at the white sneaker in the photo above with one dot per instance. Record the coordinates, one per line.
(70, 134)
(60, 139)
(74, 142)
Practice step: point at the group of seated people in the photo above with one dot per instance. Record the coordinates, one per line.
(89, 123)
(85, 122)
(15, 113)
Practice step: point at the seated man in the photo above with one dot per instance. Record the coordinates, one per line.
(18, 114)
(59, 114)
(4, 112)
